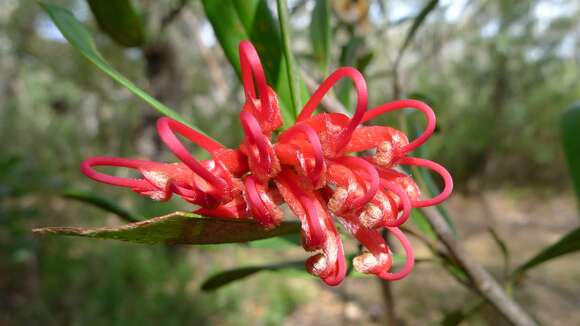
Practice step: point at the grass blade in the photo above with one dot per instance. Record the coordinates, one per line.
(290, 70)
(570, 129)
(102, 203)
(321, 33)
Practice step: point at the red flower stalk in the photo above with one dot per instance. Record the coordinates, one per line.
(310, 167)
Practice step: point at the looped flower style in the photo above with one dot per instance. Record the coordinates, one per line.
(320, 167)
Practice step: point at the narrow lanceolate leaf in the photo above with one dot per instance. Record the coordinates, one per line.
(121, 20)
(227, 277)
(80, 38)
(321, 33)
(237, 20)
(417, 22)
(179, 228)
(422, 224)
(291, 72)
(570, 128)
(503, 248)
(348, 57)
(102, 203)
(570, 243)
(283, 242)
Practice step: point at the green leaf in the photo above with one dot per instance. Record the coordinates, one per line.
(363, 62)
(288, 56)
(568, 244)
(570, 128)
(121, 20)
(416, 24)
(348, 57)
(321, 33)
(80, 38)
(180, 228)
(455, 270)
(283, 242)
(102, 203)
(453, 318)
(456, 317)
(422, 224)
(224, 278)
(503, 248)
(237, 20)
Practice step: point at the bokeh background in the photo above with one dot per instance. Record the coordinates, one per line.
(498, 73)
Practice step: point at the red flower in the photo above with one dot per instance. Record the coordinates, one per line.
(309, 168)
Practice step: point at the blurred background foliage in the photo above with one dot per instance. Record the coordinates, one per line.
(498, 74)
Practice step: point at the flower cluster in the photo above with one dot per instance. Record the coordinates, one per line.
(310, 167)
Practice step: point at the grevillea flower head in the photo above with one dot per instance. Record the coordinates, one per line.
(319, 167)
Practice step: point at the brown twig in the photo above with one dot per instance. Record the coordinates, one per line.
(480, 278)
(173, 14)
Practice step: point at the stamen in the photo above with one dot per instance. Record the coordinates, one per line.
(195, 196)
(312, 217)
(372, 176)
(86, 169)
(314, 140)
(316, 265)
(251, 68)
(334, 245)
(370, 216)
(403, 104)
(255, 136)
(165, 128)
(409, 261)
(405, 203)
(338, 200)
(373, 241)
(259, 209)
(385, 154)
(447, 180)
(233, 209)
(365, 262)
(361, 106)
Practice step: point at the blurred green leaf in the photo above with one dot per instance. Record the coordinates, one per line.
(180, 228)
(321, 33)
(456, 271)
(453, 318)
(568, 244)
(570, 129)
(237, 20)
(363, 62)
(102, 203)
(456, 317)
(416, 24)
(422, 224)
(503, 248)
(80, 38)
(121, 20)
(224, 278)
(348, 57)
(292, 73)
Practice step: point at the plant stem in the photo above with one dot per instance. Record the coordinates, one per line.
(291, 72)
(480, 278)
